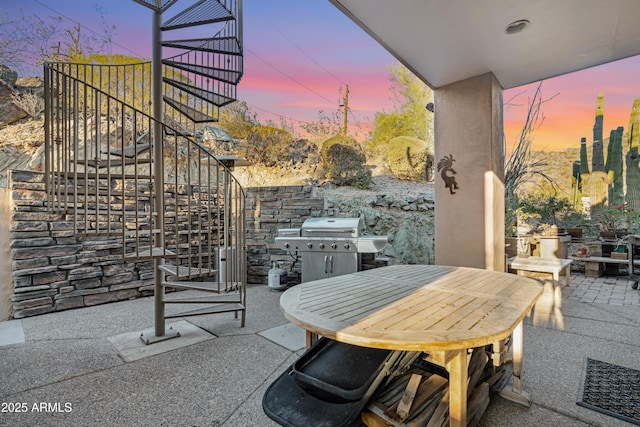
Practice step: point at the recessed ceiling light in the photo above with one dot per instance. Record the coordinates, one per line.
(516, 26)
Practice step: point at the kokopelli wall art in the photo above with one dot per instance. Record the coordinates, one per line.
(447, 173)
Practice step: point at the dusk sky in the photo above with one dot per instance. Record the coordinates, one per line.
(300, 54)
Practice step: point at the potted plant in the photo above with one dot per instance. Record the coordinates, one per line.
(526, 222)
(617, 220)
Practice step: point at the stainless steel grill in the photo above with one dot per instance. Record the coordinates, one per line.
(329, 246)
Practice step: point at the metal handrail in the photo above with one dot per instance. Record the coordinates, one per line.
(98, 167)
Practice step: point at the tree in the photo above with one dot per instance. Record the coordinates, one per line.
(327, 125)
(266, 145)
(410, 116)
(524, 163)
(26, 41)
(238, 119)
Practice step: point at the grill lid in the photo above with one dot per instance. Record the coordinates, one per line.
(332, 227)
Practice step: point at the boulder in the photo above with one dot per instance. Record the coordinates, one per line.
(8, 75)
(9, 112)
(30, 84)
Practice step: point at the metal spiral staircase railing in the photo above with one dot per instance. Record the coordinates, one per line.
(122, 160)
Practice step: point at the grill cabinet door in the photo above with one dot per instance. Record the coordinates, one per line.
(319, 265)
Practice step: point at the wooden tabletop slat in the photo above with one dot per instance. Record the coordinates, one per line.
(407, 312)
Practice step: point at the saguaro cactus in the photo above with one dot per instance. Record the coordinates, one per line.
(584, 162)
(614, 166)
(576, 185)
(633, 157)
(598, 179)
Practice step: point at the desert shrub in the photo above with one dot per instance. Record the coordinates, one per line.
(410, 158)
(343, 162)
(266, 145)
(30, 103)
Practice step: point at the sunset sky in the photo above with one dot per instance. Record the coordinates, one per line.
(299, 55)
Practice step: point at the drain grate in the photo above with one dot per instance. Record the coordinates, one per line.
(611, 389)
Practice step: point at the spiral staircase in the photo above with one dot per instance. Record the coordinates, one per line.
(124, 162)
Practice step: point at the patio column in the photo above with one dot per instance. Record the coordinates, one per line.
(469, 182)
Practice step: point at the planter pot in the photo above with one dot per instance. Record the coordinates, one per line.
(524, 246)
(619, 255)
(554, 246)
(523, 229)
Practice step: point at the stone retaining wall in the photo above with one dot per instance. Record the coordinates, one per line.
(268, 210)
(53, 270)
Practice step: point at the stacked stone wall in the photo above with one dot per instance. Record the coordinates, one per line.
(54, 270)
(268, 210)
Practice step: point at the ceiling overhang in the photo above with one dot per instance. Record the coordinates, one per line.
(443, 42)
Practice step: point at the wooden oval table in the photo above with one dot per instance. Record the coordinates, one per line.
(443, 311)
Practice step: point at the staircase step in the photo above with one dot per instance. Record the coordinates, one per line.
(202, 12)
(220, 308)
(194, 115)
(184, 271)
(129, 234)
(129, 151)
(113, 163)
(105, 211)
(174, 128)
(212, 97)
(197, 286)
(80, 192)
(101, 175)
(141, 233)
(228, 298)
(225, 45)
(221, 74)
(157, 5)
(149, 253)
(214, 230)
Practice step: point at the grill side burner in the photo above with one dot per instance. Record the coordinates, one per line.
(329, 246)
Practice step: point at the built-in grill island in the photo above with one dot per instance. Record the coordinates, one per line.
(329, 246)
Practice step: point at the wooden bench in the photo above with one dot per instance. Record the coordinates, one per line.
(553, 266)
(595, 265)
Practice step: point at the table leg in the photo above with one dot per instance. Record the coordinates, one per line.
(458, 373)
(311, 338)
(514, 392)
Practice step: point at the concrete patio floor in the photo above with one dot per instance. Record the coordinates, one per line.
(78, 367)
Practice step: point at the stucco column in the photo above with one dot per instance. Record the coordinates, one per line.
(469, 211)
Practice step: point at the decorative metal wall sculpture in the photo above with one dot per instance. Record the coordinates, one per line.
(445, 167)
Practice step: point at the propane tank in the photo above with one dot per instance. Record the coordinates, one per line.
(277, 277)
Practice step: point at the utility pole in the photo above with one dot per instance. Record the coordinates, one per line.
(346, 109)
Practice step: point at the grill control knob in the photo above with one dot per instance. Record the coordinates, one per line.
(309, 245)
(347, 246)
(286, 245)
(321, 245)
(334, 246)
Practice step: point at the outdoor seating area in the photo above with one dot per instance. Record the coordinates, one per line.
(76, 363)
(132, 229)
